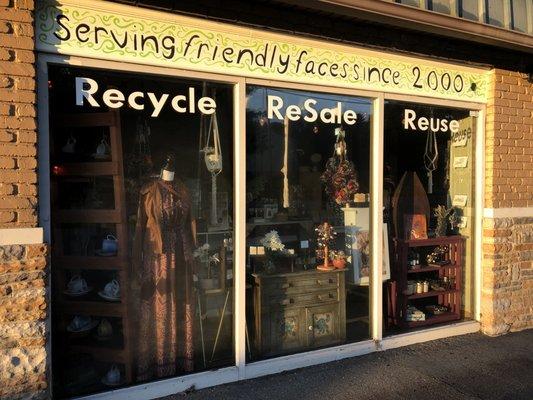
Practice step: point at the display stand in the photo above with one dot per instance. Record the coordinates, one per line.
(118, 350)
(449, 296)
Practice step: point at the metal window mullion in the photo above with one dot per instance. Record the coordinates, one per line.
(479, 180)
(239, 245)
(507, 15)
(376, 219)
(454, 10)
(529, 13)
(482, 11)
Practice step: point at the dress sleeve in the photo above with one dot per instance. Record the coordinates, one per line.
(138, 239)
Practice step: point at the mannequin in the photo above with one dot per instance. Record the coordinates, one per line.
(163, 266)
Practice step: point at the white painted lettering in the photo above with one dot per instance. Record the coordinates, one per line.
(82, 91)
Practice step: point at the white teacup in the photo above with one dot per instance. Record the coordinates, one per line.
(110, 244)
(113, 375)
(103, 148)
(79, 322)
(112, 289)
(104, 329)
(77, 284)
(69, 146)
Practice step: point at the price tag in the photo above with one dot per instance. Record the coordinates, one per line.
(459, 200)
(460, 162)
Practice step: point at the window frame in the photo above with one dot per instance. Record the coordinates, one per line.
(243, 370)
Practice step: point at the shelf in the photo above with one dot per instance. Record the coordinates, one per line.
(90, 262)
(101, 353)
(431, 293)
(88, 216)
(95, 308)
(427, 268)
(432, 241)
(87, 120)
(96, 168)
(434, 319)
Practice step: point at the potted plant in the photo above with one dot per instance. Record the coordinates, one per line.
(338, 257)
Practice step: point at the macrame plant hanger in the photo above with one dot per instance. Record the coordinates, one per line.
(213, 161)
(431, 156)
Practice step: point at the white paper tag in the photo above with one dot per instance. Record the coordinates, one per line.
(460, 162)
(459, 200)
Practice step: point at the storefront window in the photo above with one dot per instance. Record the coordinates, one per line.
(142, 230)
(428, 204)
(307, 180)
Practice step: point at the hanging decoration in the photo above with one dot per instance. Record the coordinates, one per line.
(213, 161)
(340, 177)
(285, 169)
(431, 155)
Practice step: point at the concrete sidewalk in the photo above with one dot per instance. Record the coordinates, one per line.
(465, 367)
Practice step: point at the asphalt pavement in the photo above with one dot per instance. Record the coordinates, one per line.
(463, 367)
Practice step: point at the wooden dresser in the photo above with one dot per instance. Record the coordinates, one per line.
(298, 311)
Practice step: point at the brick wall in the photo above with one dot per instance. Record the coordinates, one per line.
(23, 357)
(18, 177)
(507, 289)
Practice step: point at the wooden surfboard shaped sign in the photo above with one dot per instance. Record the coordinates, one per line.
(409, 198)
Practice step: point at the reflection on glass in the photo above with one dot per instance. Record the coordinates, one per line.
(519, 10)
(414, 3)
(442, 6)
(428, 202)
(142, 229)
(307, 220)
(495, 12)
(470, 9)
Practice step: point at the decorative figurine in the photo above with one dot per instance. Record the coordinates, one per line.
(326, 234)
(444, 216)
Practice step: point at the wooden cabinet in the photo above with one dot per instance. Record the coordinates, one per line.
(441, 294)
(298, 311)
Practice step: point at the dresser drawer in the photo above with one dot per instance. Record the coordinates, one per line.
(301, 300)
(300, 284)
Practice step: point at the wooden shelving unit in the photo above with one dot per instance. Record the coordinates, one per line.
(65, 307)
(450, 297)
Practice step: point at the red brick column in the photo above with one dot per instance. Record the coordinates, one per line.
(507, 287)
(23, 280)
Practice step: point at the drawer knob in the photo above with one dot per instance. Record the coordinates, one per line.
(286, 285)
(310, 327)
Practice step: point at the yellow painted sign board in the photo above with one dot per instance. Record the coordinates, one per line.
(103, 30)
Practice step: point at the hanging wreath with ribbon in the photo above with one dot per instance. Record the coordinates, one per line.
(340, 177)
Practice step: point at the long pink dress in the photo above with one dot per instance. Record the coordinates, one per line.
(165, 342)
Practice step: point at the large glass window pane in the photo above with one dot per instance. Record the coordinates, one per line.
(470, 9)
(429, 204)
(307, 220)
(495, 12)
(519, 10)
(442, 6)
(414, 3)
(142, 228)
